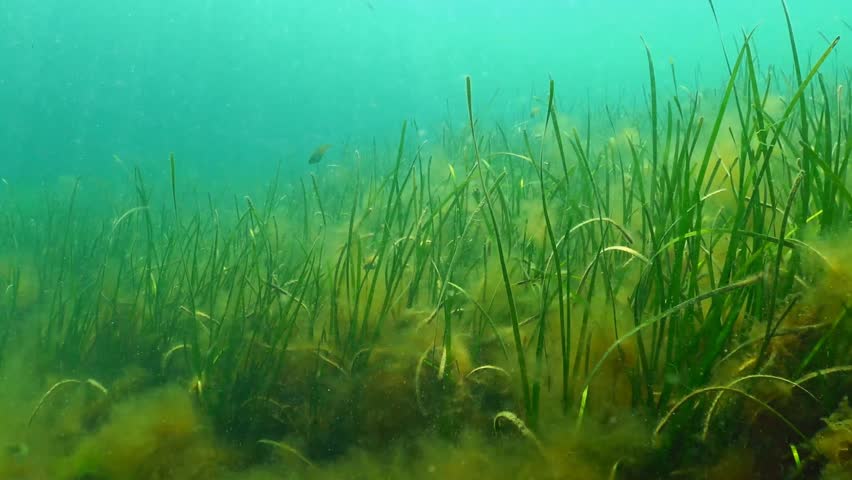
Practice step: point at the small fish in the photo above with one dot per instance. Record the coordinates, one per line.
(534, 111)
(476, 194)
(316, 157)
(17, 450)
(6, 182)
(370, 264)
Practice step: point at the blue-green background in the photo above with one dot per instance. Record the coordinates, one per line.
(234, 87)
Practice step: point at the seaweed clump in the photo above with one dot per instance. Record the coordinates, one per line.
(158, 434)
(834, 443)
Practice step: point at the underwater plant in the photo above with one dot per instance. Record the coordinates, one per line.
(662, 295)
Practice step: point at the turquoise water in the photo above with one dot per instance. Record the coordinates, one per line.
(626, 288)
(225, 83)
